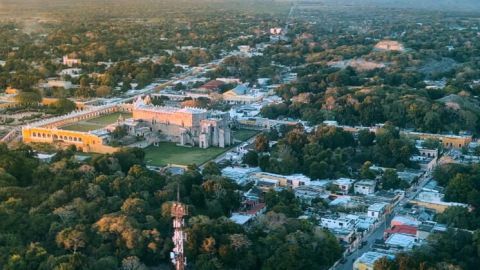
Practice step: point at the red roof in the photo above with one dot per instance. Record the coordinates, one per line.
(255, 209)
(213, 84)
(404, 229)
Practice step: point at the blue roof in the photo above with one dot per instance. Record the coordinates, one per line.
(240, 89)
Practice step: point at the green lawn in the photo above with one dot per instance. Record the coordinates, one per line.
(109, 118)
(81, 127)
(170, 153)
(244, 134)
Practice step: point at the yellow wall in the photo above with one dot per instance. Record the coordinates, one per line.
(447, 141)
(83, 141)
(362, 266)
(439, 208)
(11, 91)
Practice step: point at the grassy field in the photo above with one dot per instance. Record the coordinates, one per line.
(170, 153)
(109, 118)
(84, 127)
(96, 123)
(244, 134)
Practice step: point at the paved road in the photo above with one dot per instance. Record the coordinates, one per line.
(378, 232)
(223, 156)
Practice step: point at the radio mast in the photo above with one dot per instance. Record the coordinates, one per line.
(178, 211)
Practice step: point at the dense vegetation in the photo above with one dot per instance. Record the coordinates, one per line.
(112, 212)
(330, 152)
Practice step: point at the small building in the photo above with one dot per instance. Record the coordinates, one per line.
(344, 235)
(241, 219)
(368, 259)
(244, 48)
(241, 94)
(400, 241)
(44, 157)
(402, 229)
(390, 45)
(266, 184)
(404, 220)
(293, 181)
(343, 201)
(239, 175)
(310, 192)
(377, 210)
(448, 140)
(426, 152)
(71, 61)
(332, 222)
(432, 199)
(212, 86)
(344, 184)
(409, 176)
(72, 72)
(365, 187)
(57, 84)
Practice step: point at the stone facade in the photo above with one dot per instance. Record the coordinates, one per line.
(186, 126)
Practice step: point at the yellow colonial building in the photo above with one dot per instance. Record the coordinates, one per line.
(185, 126)
(49, 130)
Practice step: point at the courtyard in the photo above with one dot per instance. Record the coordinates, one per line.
(97, 122)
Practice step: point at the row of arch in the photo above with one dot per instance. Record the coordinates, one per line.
(56, 137)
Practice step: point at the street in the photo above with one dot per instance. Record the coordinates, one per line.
(378, 232)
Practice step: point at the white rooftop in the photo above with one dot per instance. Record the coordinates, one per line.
(341, 200)
(238, 174)
(240, 218)
(377, 207)
(366, 182)
(343, 181)
(369, 258)
(405, 221)
(319, 183)
(401, 240)
(296, 177)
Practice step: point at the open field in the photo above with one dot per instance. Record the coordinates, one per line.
(96, 123)
(108, 118)
(170, 153)
(244, 134)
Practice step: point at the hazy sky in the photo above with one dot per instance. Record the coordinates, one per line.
(465, 5)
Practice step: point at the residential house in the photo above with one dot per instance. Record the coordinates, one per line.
(377, 210)
(365, 187)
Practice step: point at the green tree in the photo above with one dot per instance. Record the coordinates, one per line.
(261, 143)
(28, 98)
(366, 137)
(251, 158)
(390, 180)
(63, 106)
(211, 168)
(72, 238)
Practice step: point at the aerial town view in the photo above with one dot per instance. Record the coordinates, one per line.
(240, 134)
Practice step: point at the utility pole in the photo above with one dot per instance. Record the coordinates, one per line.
(178, 211)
